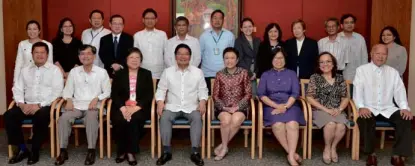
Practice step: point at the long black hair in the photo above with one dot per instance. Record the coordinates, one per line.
(268, 28)
(394, 33)
(59, 34)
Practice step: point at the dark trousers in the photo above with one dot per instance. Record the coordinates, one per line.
(13, 122)
(207, 79)
(127, 134)
(403, 133)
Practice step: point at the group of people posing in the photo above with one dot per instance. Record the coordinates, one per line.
(113, 64)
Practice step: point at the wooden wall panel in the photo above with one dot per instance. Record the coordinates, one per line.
(132, 14)
(264, 12)
(316, 12)
(394, 13)
(77, 10)
(16, 14)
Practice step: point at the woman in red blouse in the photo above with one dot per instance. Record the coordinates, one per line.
(231, 95)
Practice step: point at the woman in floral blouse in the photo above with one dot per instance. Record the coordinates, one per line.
(327, 93)
(231, 94)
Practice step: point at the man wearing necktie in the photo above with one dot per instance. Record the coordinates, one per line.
(114, 46)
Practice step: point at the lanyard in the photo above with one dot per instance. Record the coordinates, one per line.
(217, 41)
(93, 37)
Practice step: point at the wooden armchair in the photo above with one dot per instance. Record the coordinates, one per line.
(261, 126)
(28, 124)
(213, 123)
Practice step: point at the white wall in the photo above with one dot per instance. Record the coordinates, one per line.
(411, 70)
(3, 104)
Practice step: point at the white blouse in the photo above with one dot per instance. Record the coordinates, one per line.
(24, 56)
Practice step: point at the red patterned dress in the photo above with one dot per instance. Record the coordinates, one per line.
(232, 90)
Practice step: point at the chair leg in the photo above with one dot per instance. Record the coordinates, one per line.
(76, 132)
(357, 143)
(58, 145)
(153, 141)
(159, 142)
(246, 132)
(382, 139)
(213, 138)
(203, 139)
(310, 138)
(108, 140)
(101, 140)
(209, 143)
(347, 138)
(304, 143)
(52, 140)
(260, 143)
(353, 145)
(10, 151)
(253, 142)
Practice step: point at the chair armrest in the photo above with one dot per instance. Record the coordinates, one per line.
(153, 111)
(11, 105)
(260, 113)
(209, 110)
(309, 112)
(109, 105)
(252, 111)
(54, 107)
(101, 109)
(58, 108)
(354, 111)
(304, 108)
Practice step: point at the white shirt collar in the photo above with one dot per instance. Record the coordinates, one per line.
(118, 36)
(187, 68)
(335, 40)
(375, 67)
(97, 30)
(342, 34)
(185, 38)
(46, 65)
(93, 69)
(153, 31)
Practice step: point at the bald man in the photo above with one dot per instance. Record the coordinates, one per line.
(376, 85)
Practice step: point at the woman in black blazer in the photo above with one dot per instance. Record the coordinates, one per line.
(302, 51)
(132, 93)
(266, 50)
(247, 46)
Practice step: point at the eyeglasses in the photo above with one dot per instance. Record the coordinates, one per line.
(117, 24)
(325, 62)
(149, 18)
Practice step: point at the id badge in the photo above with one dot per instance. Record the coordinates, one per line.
(132, 97)
(216, 51)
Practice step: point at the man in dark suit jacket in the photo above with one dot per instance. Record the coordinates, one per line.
(305, 57)
(114, 47)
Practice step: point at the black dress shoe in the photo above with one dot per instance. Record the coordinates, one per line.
(90, 157)
(33, 158)
(164, 158)
(195, 157)
(131, 159)
(62, 157)
(18, 157)
(120, 158)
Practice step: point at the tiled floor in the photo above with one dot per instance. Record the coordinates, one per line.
(237, 156)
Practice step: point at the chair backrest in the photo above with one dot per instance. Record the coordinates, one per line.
(349, 84)
(212, 83)
(154, 85)
(304, 86)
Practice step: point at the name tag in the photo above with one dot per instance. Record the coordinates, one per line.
(216, 51)
(132, 97)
